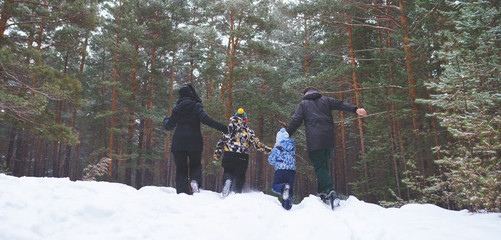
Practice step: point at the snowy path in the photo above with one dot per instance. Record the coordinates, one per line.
(51, 208)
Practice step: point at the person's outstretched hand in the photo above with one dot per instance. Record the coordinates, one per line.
(361, 112)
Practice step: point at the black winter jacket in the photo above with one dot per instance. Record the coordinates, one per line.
(315, 111)
(186, 117)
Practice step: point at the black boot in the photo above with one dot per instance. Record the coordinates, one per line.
(333, 199)
(286, 197)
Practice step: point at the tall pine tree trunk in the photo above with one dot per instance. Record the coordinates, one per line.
(69, 148)
(389, 109)
(233, 46)
(305, 63)
(113, 98)
(192, 58)
(412, 82)
(149, 165)
(20, 156)
(39, 47)
(139, 161)
(132, 119)
(11, 149)
(6, 14)
(103, 104)
(356, 86)
(169, 161)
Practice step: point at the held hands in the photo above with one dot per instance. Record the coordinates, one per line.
(361, 112)
(268, 151)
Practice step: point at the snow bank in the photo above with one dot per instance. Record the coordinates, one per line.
(55, 208)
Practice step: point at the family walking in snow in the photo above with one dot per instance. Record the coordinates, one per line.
(233, 146)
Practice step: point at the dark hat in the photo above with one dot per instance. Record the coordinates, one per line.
(306, 89)
(185, 91)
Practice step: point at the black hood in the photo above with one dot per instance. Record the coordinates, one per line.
(187, 91)
(185, 105)
(312, 94)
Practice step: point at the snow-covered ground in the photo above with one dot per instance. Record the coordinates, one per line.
(54, 208)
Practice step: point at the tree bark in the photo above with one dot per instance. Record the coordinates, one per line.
(139, 161)
(103, 105)
(10, 150)
(5, 16)
(306, 68)
(356, 86)
(409, 66)
(113, 100)
(148, 169)
(68, 165)
(132, 119)
(409, 58)
(20, 156)
(233, 46)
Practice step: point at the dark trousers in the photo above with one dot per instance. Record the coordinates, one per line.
(320, 159)
(187, 162)
(235, 166)
(282, 177)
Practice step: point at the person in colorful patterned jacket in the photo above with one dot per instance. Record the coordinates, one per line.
(282, 158)
(234, 146)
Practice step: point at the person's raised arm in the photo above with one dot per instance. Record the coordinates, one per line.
(336, 104)
(296, 121)
(257, 144)
(205, 119)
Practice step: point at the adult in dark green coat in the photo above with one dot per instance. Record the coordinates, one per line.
(187, 142)
(315, 111)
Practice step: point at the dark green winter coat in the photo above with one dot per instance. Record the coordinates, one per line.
(315, 111)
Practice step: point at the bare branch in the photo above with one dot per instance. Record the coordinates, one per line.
(26, 86)
(364, 7)
(355, 25)
(40, 22)
(217, 44)
(39, 4)
(366, 116)
(369, 88)
(419, 19)
(371, 49)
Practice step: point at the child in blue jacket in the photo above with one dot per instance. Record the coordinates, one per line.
(282, 158)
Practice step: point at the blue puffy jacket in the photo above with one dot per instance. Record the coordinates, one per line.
(282, 157)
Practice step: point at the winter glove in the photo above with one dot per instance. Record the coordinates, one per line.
(166, 119)
(267, 150)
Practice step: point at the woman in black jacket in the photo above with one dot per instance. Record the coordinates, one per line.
(187, 142)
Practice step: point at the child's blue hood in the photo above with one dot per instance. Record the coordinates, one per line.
(288, 145)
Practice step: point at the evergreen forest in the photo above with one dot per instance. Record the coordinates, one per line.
(85, 84)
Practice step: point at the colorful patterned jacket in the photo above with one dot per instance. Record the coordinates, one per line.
(238, 139)
(282, 156)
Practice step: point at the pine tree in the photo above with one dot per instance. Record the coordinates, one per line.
(467, 99)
